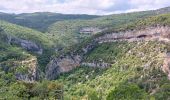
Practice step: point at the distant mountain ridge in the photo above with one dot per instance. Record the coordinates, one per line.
(40, 20)
(163, 10)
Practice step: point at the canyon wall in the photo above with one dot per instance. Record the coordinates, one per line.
(57, 66)
(25, 70)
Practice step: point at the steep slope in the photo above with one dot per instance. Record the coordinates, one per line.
(26, 33)
(137, 63)
(163, 19)
(137, 32)
(37, 43)
(120, 60)
(71, 32)
(40, 20)
(19, 69)
(134, 58)
(16, 62)
(68, 61)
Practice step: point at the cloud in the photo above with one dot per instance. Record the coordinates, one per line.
(99, 7)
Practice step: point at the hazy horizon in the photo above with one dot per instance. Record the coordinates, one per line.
(95, 7)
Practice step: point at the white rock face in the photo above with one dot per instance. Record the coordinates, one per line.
(69, 62)
(66, 63)
(160, 33)
(97, 64)
(30, 66)
(32, 74)
(90, 30)
(62, 65)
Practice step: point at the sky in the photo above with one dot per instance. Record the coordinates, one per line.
(92, 7)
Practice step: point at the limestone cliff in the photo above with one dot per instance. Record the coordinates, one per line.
(68, 62)
(90, 30)
(62, 64)
(25, 70)
(26, 44)
(160, 33)
(65, 63)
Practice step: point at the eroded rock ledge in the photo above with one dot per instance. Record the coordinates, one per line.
(26, 44)
(65, 63)
(160, 33)
(96, 64)
(23, 43)
(61, 65)
(68, 62)
(25, 70)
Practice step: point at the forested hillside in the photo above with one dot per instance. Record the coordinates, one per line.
(23, 55)
(134, 74)
(133, 69)
(84, 57)
(36, 43)
(72, 32)
(40, 20)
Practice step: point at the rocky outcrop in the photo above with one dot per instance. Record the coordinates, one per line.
(88, 48)
(25, 70)
(147, 34)
(57, 66)
(26, 44)
(32, 74)
(90, 30)
(96, 64)
(62, 64)
(66, 63)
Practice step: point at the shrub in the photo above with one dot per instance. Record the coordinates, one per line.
(127, 92)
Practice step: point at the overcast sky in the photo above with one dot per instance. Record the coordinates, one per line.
(97, 7)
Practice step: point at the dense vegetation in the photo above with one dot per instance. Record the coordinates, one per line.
(159, 20)
(68, 32)
(163, 20)
(26, 33)
(44, 41)
(11, 90)
(135, 71)
(40, 20)
(11, 57)
(8, 52)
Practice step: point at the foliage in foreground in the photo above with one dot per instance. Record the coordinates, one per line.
(39, 90)
(127, 91)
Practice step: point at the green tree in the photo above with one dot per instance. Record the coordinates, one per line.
(127, 92)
